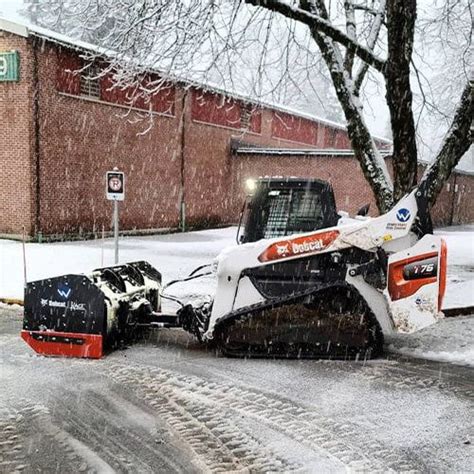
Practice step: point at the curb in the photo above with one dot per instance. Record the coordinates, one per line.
(453, 312)
(11, 301)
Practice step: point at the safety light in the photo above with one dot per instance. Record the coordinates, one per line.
(251, 185)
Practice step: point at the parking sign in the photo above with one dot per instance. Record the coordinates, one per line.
(115, 185)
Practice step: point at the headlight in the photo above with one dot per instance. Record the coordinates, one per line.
(251, 185)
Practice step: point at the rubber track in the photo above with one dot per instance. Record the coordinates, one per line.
(247, 311)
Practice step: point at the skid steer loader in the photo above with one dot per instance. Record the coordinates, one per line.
(305, 282)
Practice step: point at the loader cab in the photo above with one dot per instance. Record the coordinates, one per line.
(283, 206)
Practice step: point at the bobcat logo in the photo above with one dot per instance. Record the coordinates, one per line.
(282, 250)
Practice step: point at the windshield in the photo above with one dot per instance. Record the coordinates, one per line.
(289, 211)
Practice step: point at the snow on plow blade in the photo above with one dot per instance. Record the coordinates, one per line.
(82, 315)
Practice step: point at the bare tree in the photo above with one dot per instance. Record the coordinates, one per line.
(400, 20)
(441, 65)
(258, 45)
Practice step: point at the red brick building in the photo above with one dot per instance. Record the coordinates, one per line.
(62, 130)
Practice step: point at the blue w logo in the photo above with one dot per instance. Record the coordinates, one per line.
(403, 215)
(64, 291)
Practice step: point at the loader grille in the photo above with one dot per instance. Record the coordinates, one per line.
(292, 211)
(277, 215)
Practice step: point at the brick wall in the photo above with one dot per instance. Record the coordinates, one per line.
(16, 143)
(455, 204)
(464, 203)
(215, 178)
(350, 188)
(80, 139)
(212, 189)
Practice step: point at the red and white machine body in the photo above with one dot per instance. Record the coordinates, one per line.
(416, 273)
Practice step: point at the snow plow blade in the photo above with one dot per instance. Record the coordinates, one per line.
(83, 315)
(64, 344)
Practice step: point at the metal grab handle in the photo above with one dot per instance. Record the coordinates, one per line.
(237, 237)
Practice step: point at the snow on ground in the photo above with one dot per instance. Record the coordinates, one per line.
(176, 255)
(460, 288)
(450, 340)
(169, 404)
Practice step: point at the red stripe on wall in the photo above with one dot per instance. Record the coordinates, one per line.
(297, 129)
(66, 80)
(215, 109)
(256, 121)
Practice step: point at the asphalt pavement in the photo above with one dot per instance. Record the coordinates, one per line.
(168, 404)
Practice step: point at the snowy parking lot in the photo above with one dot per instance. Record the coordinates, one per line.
(168, 404)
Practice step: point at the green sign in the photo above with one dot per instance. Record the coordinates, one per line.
(9, 66)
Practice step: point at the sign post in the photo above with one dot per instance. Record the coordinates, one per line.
(115, 190)
(116, 232)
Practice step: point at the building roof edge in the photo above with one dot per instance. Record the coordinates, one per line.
(26, 29)
(13, 27)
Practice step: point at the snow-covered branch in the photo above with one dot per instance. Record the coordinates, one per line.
(271, 51)
(372, 164)
(323, 26)
(371, 42)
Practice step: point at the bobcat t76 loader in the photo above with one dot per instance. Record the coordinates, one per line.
(304, 282)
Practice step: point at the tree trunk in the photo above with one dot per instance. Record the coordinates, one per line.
(372, 164)
(401, 16)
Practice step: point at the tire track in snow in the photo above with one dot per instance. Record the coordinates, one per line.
(410, 374)
(12, 457)
(27, 429)
(210, 432)
(204, 413)
(102, 423)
